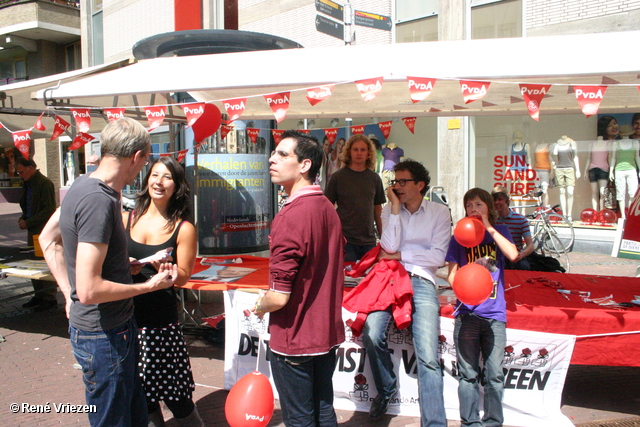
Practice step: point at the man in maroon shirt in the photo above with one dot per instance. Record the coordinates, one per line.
(306, 280)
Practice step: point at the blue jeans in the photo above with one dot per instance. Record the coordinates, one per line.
(305, 389)
(109, 361)
(353, 253)
(475, 336)
(425, 327)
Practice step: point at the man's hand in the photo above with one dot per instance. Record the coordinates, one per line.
(22, 224)
(166, 277)
(397, 256)
(256, 308)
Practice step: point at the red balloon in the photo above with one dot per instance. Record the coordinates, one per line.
(607, 216)
(473, 284)
(207, 124)
(250, 401)
(469, 231)
(588, 216)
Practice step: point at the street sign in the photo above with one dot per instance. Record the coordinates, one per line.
(372, 20)
(330, 27)
(330, 8)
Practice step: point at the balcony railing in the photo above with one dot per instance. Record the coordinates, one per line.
(72, 3)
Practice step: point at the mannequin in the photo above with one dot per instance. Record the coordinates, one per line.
(392, 155)
(567, 169)
(624, 167)
(543, 170)
(596, 171)
(517, 168)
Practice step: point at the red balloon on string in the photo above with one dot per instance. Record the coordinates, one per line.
(207, 124)
(250, 402)
(473, 284)
(469, 231)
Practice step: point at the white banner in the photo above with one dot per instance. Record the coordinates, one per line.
(535, 366)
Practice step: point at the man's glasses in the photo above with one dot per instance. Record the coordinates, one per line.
(280, 154)
(402, 182)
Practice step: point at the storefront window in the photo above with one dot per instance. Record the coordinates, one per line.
(517, 152)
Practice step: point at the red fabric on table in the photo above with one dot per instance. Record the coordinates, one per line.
(258, 279)
(536, 307)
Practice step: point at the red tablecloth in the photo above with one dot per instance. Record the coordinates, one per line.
(530, 306)
(258, 279)
(535, 306)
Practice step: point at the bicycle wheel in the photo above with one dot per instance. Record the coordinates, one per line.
(552, 246)
(559, 226)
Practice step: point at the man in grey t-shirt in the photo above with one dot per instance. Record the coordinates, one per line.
(359, 194)
(86, 249)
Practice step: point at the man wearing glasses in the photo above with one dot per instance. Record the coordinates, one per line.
(305, 286)
(38, 203)
(415, 232)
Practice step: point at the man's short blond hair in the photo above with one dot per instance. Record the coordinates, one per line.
(122, 138)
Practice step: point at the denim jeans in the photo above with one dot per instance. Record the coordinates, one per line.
(477, 336)
(305, 389)
(425, 327)
(353, 253)
(109, 361)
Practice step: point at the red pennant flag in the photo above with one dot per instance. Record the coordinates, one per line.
(80, 140)
(369, 88)
(357, 129)
(114, 114)
(533, 95)
(410, 122)
(277, 135)
(472, 90)
(165, 154)
(83, 118)
(589, 98)
(279, 103)
(39, 125)
(193, 112)
(307, 131)
(155, 116)
(224, 130)
(22, 141)
(253, 134)
(182, 154)
(420, 88)
(318, 94)
(59, 127)
(331, 134)
(235, 107)
(385, 127)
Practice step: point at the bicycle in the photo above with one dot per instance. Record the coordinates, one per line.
(548, 241)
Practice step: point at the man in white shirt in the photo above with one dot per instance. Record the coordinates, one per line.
(415, 232)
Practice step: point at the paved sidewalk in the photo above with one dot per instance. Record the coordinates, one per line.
(38, 366)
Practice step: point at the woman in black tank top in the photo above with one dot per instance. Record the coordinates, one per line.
(158, 224)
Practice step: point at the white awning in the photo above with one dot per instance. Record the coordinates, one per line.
(16, 113)
(561, 61)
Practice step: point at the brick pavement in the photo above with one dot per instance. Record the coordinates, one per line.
(38, 368)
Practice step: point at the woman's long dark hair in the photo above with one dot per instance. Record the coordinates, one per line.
(178, 208)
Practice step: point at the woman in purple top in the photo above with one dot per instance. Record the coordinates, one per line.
(480, 330)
